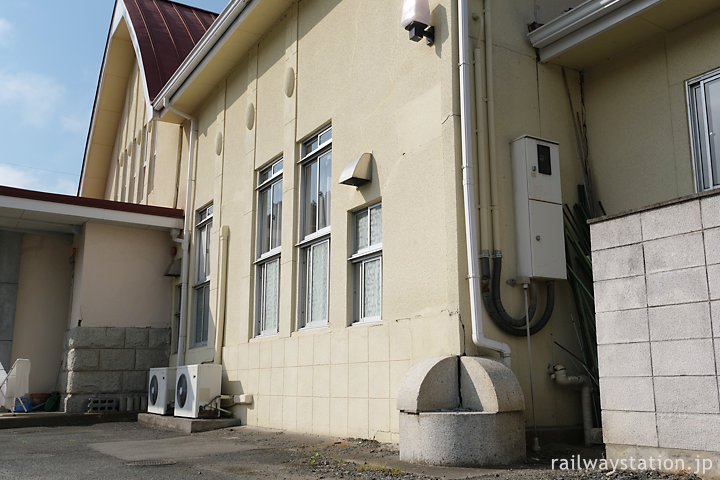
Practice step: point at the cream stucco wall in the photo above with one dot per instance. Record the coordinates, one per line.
(119, 278)
(638, 116)
(42, 307)
(529, 98)
(144, 150)
(398, 100)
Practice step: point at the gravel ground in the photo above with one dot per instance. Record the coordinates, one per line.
(134, 451)
(376, 461)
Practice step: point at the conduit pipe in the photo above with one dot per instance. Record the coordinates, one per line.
(182, 328)
(222, 291)
(560, 376)
(478, 337)
(490, 198)
(492, 152)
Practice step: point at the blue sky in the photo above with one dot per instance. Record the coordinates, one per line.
(50, 58)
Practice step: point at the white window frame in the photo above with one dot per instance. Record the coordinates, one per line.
(201, 289)
(358, 260)
(700, 134)
(313, 148)
(265, 258)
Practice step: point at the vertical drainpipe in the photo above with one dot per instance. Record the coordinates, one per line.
(478, 337)
(222, 289)
(182, 328)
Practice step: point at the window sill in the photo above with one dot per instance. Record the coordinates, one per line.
(264, 336)
(375, 250)
(369, 321)
(315, 236)
(312, 327)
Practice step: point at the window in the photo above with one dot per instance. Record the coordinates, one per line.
(316, 173)
(367, 264)
(153, 155)
(133, 171)
(704, 112)
(203, 228)
(143, 170)
(269, 223)
(175, 332)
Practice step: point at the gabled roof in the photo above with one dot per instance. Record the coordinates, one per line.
(165, 33)
(158, 34)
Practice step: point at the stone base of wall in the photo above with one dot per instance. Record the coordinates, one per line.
(110, 362)
(672, 460)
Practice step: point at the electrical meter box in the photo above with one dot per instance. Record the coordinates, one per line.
(538, 209)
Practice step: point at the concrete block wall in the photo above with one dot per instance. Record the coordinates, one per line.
(110, 362)
(657, 299)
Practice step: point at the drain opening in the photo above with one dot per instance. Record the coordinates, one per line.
(151, 463)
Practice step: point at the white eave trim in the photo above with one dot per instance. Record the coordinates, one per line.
(582, 23)
(202, 52)
(119, 13)
(79, 214)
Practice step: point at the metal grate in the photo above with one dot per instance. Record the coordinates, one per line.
(96, 405)
(151, 463)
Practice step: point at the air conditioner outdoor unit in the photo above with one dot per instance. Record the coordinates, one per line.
(161, 389)
(196, 386)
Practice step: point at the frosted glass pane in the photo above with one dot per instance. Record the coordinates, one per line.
(324, 184)
(202, 303)
(276, 214)
(201, 257)
(270, 302)
(208, 229)
(376, 225)
(362, 233)
(264, 221)
(311, 198)
(372, 280)
(319, 282)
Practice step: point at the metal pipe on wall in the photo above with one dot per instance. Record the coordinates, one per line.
(478, 337)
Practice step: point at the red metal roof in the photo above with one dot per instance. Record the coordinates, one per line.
(166, 32)
(90, 202)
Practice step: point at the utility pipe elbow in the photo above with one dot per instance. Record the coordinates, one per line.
(561, 377)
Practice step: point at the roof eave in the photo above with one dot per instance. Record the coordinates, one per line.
(201, 53)
(21, 205)
(119, 13)
(582, 23)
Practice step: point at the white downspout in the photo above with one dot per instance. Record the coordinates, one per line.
(478, 337)
(222, 280)
(182, 328)
(492, 163)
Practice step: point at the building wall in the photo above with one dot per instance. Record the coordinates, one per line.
(119, 278)
(10, 253)
(398, 100)
(144, 149)
(657, 297)
(109, 363)
(638, 116)
(42, 307)
(529, 99)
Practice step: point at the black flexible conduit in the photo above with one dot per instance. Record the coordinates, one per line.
(490, 289)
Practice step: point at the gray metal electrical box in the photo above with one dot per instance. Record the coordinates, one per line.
(538, 209)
